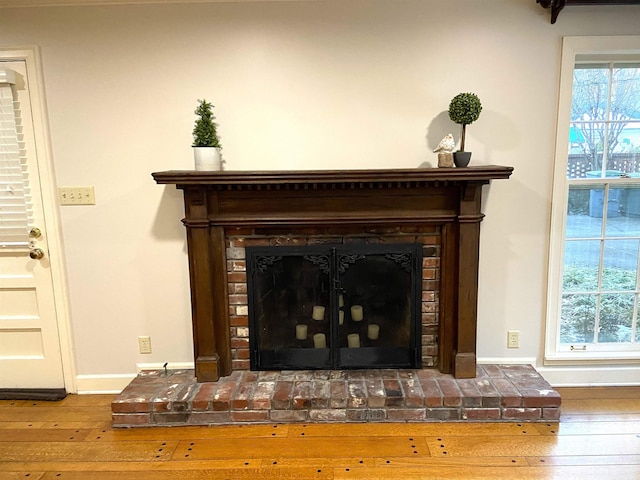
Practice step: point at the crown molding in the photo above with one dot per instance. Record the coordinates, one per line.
(74, 3)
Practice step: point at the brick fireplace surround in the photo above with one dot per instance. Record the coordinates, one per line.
(428, 236)
(438, 208)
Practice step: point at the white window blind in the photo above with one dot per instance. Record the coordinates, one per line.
(14, 205)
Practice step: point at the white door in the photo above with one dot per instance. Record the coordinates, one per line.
(30, 347)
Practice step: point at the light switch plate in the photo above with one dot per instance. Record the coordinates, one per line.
(76, 196)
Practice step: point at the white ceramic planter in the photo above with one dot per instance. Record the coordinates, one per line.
(207, 158)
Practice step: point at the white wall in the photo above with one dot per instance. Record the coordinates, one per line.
(314, 84)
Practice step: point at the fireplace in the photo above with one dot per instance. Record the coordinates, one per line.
(279, 207)
(334, 306)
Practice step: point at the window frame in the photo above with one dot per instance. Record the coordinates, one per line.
(609, 49)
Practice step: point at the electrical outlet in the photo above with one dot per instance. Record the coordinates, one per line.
(76, 196)
(145, 344)
(513, 339)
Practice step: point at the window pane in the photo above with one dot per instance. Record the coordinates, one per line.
(624, 151)
(627, 142)
(624, 135)
(625, 156)
(596, 200)
(625, 93)
(619, 265)
(624, 221)
(581, 260)
(588, 129)
(578, 318)
(583, 220)
(590, 91)
(616, 317)
(586, 141)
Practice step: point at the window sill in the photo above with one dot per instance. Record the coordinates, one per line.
(592, 358)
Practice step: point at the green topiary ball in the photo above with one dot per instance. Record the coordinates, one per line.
(465, 108)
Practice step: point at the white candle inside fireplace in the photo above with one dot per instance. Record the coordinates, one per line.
(353, 340)
(319, 340)
(318, 312)
(356, 313)
(341, 317)
(373, 331)
(301, 332)
(340, 300)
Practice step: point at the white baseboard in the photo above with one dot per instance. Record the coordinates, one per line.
(170, 366)
(115, 383)
(592, 376)
(557, 376)
(506, 360)
(103, 384)
(576, 376)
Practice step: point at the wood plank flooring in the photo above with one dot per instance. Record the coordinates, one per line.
(598, 438)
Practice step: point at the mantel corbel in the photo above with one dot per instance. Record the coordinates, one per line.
(556, 6)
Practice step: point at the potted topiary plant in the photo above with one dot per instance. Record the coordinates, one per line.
(206, 144)
(464, 109)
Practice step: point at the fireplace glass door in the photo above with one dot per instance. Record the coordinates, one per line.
(334, 307)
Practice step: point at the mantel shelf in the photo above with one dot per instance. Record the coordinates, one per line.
(310, 177)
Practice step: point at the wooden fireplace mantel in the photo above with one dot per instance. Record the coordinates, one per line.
(449, 197)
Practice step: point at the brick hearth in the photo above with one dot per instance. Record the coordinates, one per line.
(510, 393)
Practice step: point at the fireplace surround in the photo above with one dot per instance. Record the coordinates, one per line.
(221, 204)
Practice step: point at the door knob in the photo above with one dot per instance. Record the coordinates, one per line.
(35, 232)
(36, 253)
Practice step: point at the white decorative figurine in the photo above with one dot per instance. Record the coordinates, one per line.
(445, 151)
(446, 145)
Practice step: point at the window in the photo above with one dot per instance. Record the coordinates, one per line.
(595, 251)
(14, 208)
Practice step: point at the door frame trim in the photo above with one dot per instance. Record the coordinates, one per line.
(48, 189)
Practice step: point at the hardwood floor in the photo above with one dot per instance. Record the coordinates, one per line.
(598, 438)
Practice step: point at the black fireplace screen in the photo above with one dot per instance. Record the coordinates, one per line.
(323, 307)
